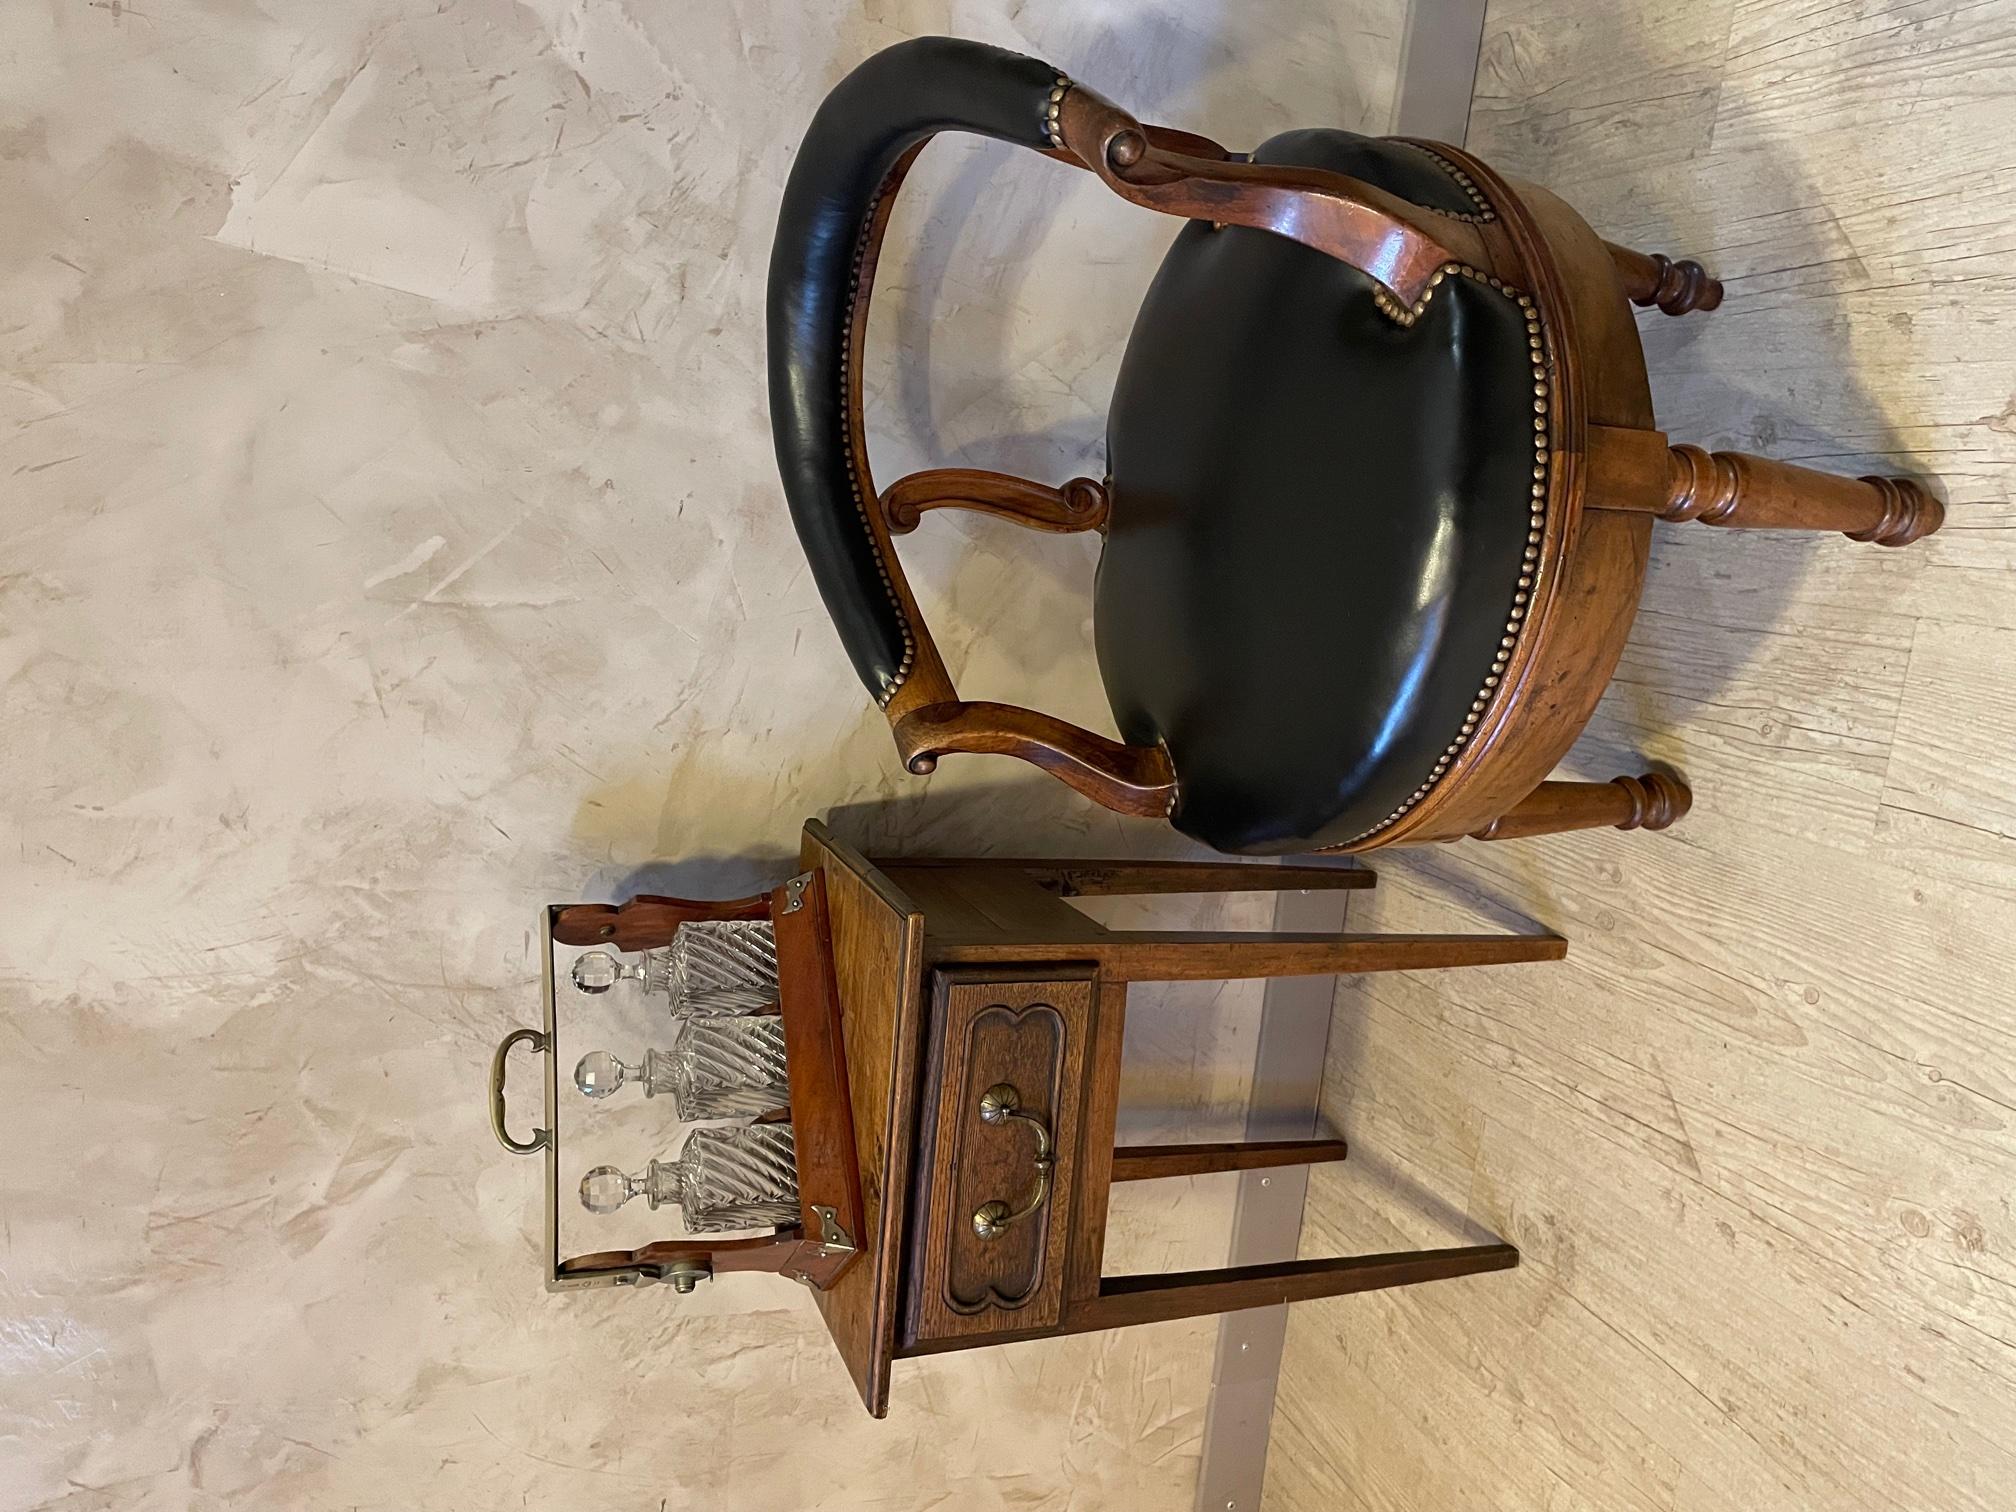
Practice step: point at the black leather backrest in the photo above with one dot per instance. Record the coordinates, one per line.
(890, 103)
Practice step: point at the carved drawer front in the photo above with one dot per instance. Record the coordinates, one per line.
(998, 1148)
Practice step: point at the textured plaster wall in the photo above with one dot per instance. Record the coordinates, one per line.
(392, 546)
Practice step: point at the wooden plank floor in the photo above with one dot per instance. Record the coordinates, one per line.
(1757, 1136)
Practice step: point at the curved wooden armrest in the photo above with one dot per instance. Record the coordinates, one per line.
(1078, 505)
(829, 231)
(1128, 779)
(1193, 177)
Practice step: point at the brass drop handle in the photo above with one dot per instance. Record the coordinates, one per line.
(998, 1104)
(540, 1137)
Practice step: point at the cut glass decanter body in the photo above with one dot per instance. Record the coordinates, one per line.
(717, 1068)
(721, 1180)
(713, 967)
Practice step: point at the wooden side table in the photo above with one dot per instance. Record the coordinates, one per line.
(982, 1018)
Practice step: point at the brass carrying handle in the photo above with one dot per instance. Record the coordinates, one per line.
(998, 1104)
(540, 1137)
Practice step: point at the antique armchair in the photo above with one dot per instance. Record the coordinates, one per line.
(1382, 472)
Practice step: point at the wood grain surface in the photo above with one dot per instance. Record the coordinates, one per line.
(877, 959)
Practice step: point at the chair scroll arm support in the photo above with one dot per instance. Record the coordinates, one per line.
(834, 212)
(1077, 505)
(1178, 174)
(1128, 779)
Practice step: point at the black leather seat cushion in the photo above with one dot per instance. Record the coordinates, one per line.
(1318, 520)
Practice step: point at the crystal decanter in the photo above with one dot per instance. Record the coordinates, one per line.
(717, 1068)
(722, 1179)
(712, 967)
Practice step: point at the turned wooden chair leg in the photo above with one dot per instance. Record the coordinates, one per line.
(1754, 493)
(1653, 278)
(1649, 802)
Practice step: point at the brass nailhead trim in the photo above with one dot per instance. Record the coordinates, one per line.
(1484, 213)
(1516, 617)
(909, 661)
(1053, 113)
(1406, 315)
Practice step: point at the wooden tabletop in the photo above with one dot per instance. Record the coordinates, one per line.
(878, 961)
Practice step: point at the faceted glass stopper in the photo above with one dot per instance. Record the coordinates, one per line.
(605, 1189)
(600, 1074)
(597, 971)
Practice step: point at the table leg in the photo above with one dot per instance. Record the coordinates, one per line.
(1085, 1254)
(1126, 1300)
(1148, 1162)
(1211, 956)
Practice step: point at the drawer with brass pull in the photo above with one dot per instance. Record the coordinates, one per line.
(1003, 1088)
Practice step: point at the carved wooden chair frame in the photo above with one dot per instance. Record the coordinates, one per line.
(1598, 486)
